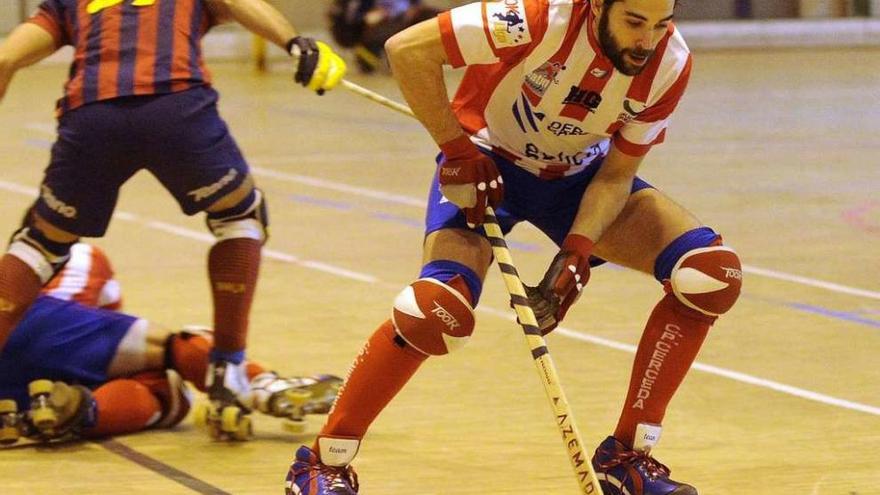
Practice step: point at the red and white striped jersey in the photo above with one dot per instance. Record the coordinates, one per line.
(539, 91)
(87, 278)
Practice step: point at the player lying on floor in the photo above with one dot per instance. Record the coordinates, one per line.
(94, 371)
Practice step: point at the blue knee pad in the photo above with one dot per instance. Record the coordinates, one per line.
(445, 270)
(692, 239)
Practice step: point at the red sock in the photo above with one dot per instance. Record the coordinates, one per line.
(19, 286)
(124, 406)
(233, 266)
(189, 357)
(669, 345)
(379, 372)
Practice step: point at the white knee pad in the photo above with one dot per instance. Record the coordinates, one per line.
(244, 221)
(433, 317)
(708, 279)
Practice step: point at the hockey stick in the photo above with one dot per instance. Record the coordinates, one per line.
(371, 95)
(571, 437)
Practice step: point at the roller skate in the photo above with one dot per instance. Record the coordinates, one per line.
(624, 471)
(59, 412)
(226, 414)
(294, 398)
(309, 475)
(13, 424)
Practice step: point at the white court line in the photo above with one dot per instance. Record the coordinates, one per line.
(341, 272)
(708, 368)
(420, 203)
(338, 186)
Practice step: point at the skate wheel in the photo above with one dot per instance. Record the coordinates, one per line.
(298, 397)
(230, 418)
(295, 427)
(9, 435)
(44, 418)
(245, 429)
(8, 406)
(200, 415)
(40, 387)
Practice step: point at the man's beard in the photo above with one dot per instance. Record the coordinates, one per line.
(611, 49)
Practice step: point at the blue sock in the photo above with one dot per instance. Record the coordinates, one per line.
(234, 357)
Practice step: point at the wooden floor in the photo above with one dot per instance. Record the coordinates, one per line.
(779, 151)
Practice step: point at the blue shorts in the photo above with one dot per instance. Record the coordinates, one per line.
(179, 137)
(60, 340)
(549, 205)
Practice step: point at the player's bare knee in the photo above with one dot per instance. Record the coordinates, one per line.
(44, 252)
(249, 219)
(708, 279)
(433, 317)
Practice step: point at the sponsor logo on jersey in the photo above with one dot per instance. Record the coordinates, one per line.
(577, 159)
(599, 73)
(208, 191)
(507, 23)
(584, 98)
(55, 204)
(632, 109)
(523, 113)
(565, 129)
(541, 78)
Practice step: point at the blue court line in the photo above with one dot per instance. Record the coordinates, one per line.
(337, 205)
(384, 216)
(840, 315)
(324, 203)
(43, 144)
(848, 316)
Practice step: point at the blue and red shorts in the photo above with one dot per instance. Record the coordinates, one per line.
(549, 205)
(178, 137)
(60, 340)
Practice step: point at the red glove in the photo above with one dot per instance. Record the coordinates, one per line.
(563, 282)
(469, 179)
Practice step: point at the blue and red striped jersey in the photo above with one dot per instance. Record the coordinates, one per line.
(127, 47)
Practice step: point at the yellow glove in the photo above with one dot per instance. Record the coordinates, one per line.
(318, 67)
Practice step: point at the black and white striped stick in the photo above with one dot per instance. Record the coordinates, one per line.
(571, 437)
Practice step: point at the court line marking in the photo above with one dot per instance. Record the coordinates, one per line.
(165, 470)
(412, 201)
(421, 203)
(568, 332)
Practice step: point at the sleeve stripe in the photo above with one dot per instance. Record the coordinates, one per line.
(450, 44)
(633, 149)
(641, 85)
(667, 103)
(48, 23)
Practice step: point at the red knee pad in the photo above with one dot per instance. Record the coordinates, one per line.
(433, 317)
(173, 395)
(708, 279)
